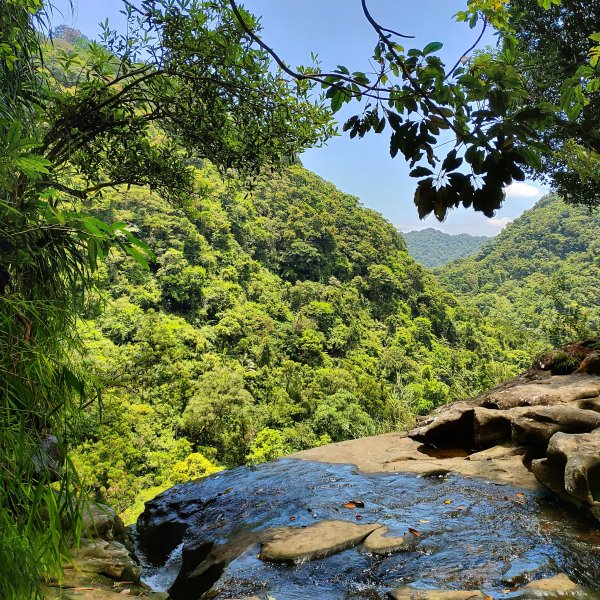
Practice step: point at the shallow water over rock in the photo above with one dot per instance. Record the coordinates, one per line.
(467, 534)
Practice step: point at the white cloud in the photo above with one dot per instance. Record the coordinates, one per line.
(502, 223)
(518, 189)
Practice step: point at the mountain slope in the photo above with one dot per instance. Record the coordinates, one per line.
(434, 248)
(270, 322)
(540, 274)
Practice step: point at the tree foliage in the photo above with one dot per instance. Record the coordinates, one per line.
(273, 355)
(560, 47)
(434, 248)
(495, 105)
(539, 274)
(75, 119)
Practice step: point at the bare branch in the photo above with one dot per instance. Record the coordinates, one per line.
(319, 78)
(466, 52)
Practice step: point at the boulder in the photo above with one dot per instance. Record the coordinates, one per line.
(101, 521)
(295, 544)
(48, 459)
(379, 542)
(106, 558)
(559, 587)
(534, 428)
(558, 583)
(200, 570)
(572, 468)
(590, 364)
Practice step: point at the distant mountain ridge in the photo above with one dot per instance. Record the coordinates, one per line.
(538, 276)
(434, 248)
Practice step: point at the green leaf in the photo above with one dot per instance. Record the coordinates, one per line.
(337, 100)
(138, 257)
(451, 162)
(432, 47)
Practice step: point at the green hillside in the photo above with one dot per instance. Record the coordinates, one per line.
(269, 322)
(540, 275)
(434, 248)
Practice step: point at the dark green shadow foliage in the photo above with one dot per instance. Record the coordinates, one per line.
(433, 248)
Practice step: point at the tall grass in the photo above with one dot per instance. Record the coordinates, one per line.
(39, 507)
(42, 276)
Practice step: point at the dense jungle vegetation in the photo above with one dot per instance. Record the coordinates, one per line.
(177, 294)
(434, 248)
(539, 275)
(268, 323)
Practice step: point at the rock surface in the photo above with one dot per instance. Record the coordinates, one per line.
(103, 565)
(558, 583)
(408, 593)
(572, 469)
(396, 452)
(553, 421)
(559, 587)
(322, 539)
(108, 558)
(379, 542)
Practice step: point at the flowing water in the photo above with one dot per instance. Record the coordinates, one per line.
(472, 534)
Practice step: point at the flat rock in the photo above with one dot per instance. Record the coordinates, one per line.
(380, 543)
(558, 583)
(558, 389)
(322, 539)
(396, 452)
(407, 593)
(559, 587)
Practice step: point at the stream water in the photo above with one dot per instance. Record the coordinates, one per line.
(472, 534)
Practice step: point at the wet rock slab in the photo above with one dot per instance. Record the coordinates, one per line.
(471, 534)
(412, 594)
(381, 543)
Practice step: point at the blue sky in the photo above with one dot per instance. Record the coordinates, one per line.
(337, 31)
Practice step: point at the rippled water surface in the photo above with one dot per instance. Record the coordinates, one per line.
(473, 534)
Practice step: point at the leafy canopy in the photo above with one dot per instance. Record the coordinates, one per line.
(494, 105)
(183, 84)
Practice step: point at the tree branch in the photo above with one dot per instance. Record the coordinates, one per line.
(318, 77)
(466, 52)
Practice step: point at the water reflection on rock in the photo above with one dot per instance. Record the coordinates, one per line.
(471, 534)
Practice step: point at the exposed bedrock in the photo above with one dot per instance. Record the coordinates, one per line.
(571, 468)
(553, 420)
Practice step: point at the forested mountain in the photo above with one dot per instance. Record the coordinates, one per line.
(434, 248)
(269, 322)
(158, 322)
(540, 275)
